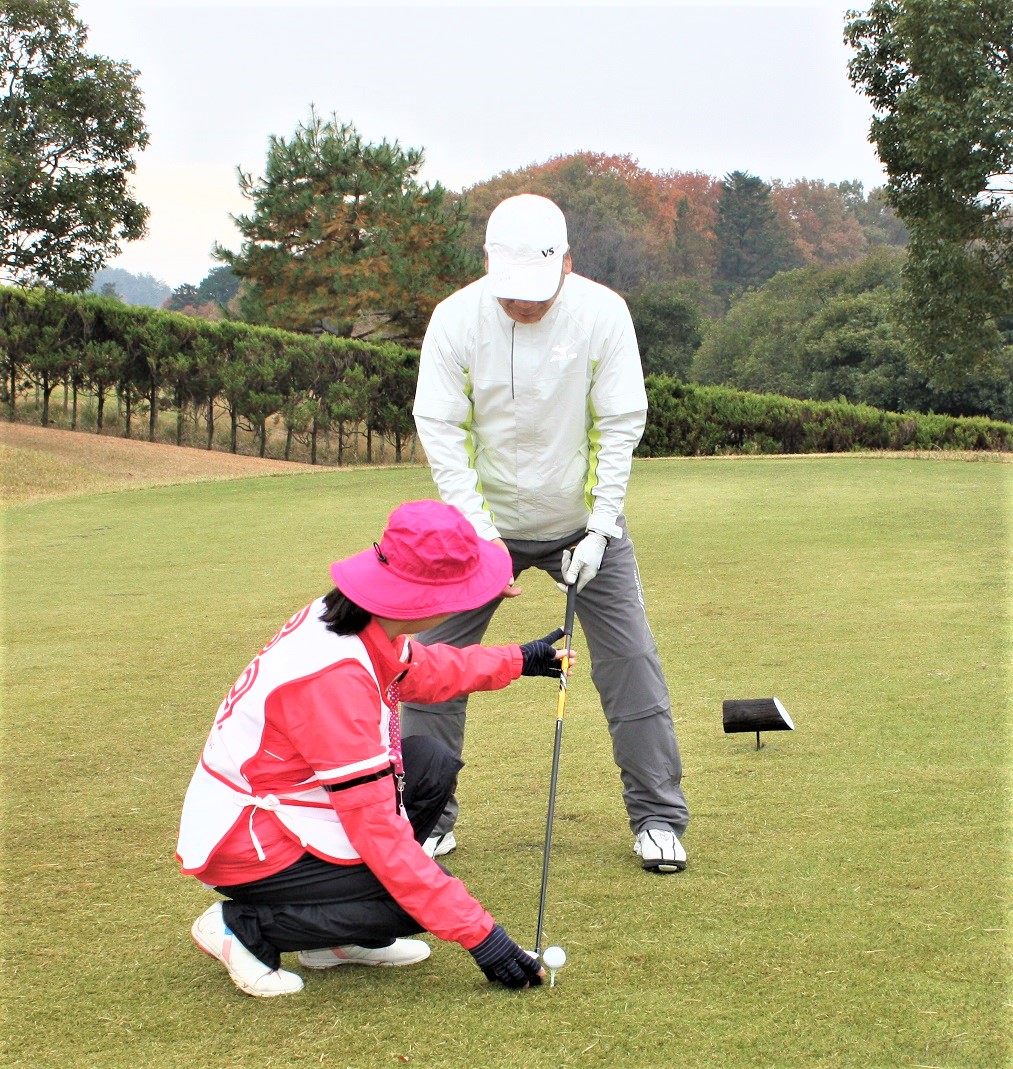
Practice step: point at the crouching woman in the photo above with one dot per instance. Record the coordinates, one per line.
(307, 809)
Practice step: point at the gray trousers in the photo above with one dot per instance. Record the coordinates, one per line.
(625, 669)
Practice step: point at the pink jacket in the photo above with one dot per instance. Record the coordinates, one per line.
(295, 721)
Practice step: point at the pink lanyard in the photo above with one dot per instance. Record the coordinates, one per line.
(393, 698)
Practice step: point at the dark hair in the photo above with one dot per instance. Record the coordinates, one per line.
(342, 615)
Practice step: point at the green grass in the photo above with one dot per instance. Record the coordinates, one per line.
(848, 887)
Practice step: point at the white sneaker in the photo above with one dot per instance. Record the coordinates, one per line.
(400, 952)
(439, 844)
(249, 974)
(660, 851)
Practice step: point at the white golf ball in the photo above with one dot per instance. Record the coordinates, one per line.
(554, 957)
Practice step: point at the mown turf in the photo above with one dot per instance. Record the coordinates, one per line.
(848, 887)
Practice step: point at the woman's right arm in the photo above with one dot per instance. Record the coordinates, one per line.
(334, 720)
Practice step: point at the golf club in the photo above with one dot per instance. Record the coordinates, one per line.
(571, 602)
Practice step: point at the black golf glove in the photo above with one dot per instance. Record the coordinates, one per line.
(504, 962)
(540, 656)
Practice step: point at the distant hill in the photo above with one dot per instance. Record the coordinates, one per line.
(132, 289)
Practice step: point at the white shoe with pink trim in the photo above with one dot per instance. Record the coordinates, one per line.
(249, 974)
(400, 952)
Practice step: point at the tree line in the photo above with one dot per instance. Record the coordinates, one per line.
(341, 229)
(696, 258)
(153, 361)
(156, 362)
(834, 333)
(712, 239)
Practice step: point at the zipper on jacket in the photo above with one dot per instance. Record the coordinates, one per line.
(513, 329)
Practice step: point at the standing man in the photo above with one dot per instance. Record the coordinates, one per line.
(529, 405)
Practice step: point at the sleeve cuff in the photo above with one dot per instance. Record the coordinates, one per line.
(484, 527)
(602, 526)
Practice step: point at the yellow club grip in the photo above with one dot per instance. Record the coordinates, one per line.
(561, 699)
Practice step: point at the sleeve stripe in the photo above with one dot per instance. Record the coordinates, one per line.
(378, 762)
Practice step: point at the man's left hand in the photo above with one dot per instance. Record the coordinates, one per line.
(581, 565)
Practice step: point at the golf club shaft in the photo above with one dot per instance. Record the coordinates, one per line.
(571, 602)
(548, 835)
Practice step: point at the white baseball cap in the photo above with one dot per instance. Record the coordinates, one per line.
(525, 241)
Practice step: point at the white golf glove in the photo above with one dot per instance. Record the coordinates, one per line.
(582, 565)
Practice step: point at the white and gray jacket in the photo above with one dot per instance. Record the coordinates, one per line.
(529, 429)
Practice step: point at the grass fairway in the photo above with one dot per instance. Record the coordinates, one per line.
(847, 894)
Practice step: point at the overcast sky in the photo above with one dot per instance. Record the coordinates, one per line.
(482, 88)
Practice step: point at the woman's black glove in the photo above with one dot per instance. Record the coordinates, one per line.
(540, 656)
(504, 962)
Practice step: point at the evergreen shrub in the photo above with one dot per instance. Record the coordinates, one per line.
(690, 420)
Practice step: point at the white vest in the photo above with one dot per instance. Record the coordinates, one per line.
(219, 793)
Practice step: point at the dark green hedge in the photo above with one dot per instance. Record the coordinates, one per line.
(687, 420)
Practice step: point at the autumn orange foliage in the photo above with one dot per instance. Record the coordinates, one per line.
(664, 221)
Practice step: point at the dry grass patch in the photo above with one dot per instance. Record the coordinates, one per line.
(44, 463)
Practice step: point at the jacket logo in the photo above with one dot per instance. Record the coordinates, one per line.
(560, 353)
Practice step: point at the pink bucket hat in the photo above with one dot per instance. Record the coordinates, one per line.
(429, 561)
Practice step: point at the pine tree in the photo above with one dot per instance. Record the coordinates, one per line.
(343, 234)
(753, 245)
